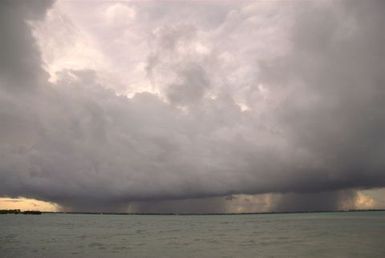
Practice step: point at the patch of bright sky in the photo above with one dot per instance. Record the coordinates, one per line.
(25, 204)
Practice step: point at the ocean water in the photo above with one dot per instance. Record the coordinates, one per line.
(355, 234)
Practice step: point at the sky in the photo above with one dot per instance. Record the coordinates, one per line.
(192, 106)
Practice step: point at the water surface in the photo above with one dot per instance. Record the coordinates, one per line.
(354, 234)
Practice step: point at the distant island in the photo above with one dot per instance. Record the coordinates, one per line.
(17, 211)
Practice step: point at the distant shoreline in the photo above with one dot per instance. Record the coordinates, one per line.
(17, 211)
(181, 214)
(221, 214)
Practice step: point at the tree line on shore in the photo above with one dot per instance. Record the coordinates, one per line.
(17, 211)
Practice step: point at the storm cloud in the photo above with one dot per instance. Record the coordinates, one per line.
(228, 99)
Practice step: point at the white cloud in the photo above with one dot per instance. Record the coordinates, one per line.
(119, 15)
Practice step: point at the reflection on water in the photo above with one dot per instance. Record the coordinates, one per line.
(358, 234)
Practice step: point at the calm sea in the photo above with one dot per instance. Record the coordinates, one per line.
(355, 234)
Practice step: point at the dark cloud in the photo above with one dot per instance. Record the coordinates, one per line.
(190, 87)
(319, 129)
(323, 201)
(205, 205)
(20, 62)
(335, 93)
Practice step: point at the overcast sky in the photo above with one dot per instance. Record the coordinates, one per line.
(193, 106)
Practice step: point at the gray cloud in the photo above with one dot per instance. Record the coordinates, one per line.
(323, 201)
(20, 65)
(335, 92)
(314, 125)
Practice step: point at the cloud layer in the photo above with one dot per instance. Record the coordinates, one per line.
(223, 99)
